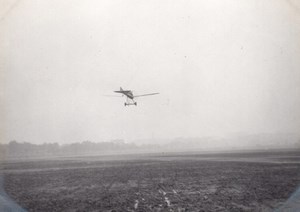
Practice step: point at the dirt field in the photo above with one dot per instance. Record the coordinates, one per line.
(162, 182)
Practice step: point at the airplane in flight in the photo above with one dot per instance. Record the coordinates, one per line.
(130, 97)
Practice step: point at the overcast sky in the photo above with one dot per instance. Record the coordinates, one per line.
(221, 67)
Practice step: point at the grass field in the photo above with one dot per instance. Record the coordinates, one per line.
(257, 181)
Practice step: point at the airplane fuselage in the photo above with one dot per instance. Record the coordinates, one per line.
(127, 93)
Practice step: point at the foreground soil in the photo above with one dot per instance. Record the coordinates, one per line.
(258, 181)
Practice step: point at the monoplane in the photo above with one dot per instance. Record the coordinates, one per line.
(130, 97)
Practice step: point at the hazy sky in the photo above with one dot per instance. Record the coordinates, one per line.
(221, 67)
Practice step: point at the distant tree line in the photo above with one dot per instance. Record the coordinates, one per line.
(16, 149)
(25, 149)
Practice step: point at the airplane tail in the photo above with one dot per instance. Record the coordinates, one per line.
(120, 91)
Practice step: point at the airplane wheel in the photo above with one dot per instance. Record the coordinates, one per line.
(135, 104)
(125, 104)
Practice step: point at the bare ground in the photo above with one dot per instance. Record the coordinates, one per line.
(162, 182)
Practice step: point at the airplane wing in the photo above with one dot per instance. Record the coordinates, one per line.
(148, 94)
(112, 96)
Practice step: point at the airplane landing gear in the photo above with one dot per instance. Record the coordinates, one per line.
(128, 104)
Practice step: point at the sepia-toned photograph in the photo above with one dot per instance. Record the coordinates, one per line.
(149, 105)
